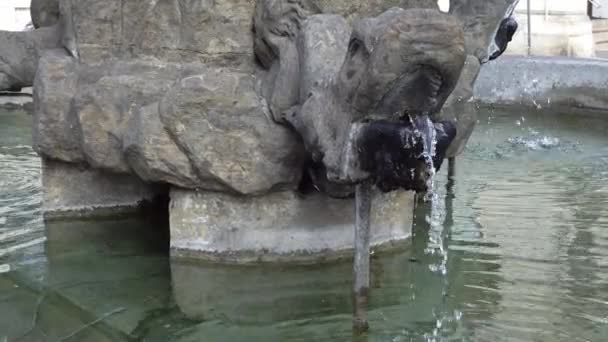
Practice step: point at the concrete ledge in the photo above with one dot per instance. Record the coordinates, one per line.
(74, 191)
(17, 100)
(544, 82)
(280, 227)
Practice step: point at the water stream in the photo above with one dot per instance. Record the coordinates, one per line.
(516, 249)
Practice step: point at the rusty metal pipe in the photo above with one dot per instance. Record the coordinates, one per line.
(361, 264)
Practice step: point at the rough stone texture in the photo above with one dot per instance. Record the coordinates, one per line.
(218, 120)
(282, 226)
(172, 30)
(151, 152)
(211, 131)
(187, 30)
(44, 12)
(277, 25)
(356, 9)
(72, 190)
(544, 82)
(322, 45)
(20, 54)
(181, 74)
(55, 133)
(459, 107)
(106, 98)
(402, 61)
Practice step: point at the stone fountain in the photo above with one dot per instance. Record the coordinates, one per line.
(256, 118)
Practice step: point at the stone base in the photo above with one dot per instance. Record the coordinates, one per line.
(280, 227)
(71, 190)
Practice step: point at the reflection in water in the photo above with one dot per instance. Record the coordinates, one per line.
(516, 249)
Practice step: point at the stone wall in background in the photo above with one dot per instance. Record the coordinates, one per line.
(559, 28)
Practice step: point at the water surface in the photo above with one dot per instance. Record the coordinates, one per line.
(517, 250)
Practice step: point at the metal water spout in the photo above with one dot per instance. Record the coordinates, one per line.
(361, 269)
(417, 149)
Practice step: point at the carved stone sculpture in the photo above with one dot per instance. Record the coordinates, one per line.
(385, 71)
(247, 105)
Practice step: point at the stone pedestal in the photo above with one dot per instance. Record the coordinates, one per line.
(70, 190)
(280, 227)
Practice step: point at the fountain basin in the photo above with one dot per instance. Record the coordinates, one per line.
(544, 82)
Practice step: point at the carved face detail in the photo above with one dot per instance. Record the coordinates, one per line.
(401, 65)
(402, 62)
(361, 112)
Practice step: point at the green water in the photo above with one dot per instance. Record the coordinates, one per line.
(516, 251)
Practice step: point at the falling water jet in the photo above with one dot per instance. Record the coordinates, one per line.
(410, 156)
(362, 256)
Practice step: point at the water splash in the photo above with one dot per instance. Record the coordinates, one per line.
(437, 244)
(21, 223)
(425, 131)
(446, 319)
(535, 142)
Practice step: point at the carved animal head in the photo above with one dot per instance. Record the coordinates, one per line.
(362, 119)
(402, 62)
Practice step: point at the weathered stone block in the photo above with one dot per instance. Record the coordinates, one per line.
(282, 226)
(152, 154)
(212, 132)
(55, 129)
(70, 190)
(220, 122)
(20, 52)
(235, 98)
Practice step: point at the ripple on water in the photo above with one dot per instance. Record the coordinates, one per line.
(542, 222)
(518, 252)
(21, 224)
